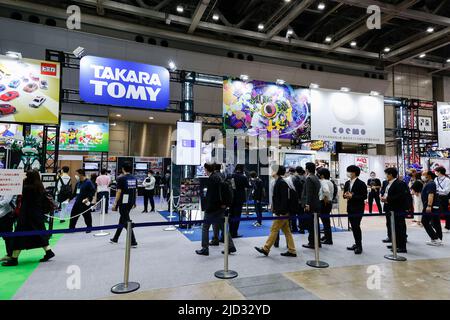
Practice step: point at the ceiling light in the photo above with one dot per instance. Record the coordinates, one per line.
(118, 115)
(387, 49)
(172, 66)
(289, 32)
(13, 54)
(151, 118)
(215, 17)
(113, 124)
(345, 89)
(243, 77)
(448, 60)
(287, 1)
(314, 86)
(328, 39)
(280, 82)
(430, 29)
(353, 43)
(260, 26)
(423, 55)
(180, 9)
(321, 6)
(374, 93)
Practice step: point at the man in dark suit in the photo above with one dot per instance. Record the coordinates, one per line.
(355, 192)
(310, 199)
(396, 203)
(388, 219)
(240, 184)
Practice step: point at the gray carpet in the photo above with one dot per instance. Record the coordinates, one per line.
(166, 259)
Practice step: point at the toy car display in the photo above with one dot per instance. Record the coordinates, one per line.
(34, 77)
(8, 96)
(14, 83)
(30, 87)
(43, 84)
(2, 87)
(37, 102)
(6, 109)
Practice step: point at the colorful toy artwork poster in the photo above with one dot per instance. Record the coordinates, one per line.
(84, 136)
(362, 163)
(265, 108)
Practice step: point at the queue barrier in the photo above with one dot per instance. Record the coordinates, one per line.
(126, 286)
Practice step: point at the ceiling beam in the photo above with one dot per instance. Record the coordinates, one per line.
(292, 14)
(318, 23)
(363, 28)
(198, 14)
(162, 4)
(405, 14)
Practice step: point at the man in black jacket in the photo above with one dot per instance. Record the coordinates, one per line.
(355, 192)
(214, 211)
(311, 201)
(240, 184)
(257, 196)
(396, 204)
(280, 208)
(388, 219)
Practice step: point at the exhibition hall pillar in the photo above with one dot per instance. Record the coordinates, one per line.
(187, 110)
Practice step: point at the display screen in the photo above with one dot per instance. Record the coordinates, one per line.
(84, 136)
(189, 139)
(141, 166)
(292, 160)
(29, 91)
(9, 132)
(91, 166)
(265, 108)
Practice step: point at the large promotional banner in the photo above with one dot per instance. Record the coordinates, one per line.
(263, 108)
(189, 141)
(347, 117)
(443, 117)
(124, 83)
(29, 91)
(84, 136)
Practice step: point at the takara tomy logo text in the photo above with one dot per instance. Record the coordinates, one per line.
(48, 69)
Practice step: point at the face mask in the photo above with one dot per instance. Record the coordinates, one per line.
(349, 175)
(424, 178)
(373, 177)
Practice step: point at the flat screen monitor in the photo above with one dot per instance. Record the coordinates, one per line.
(91, 166)
(141, 166)
(292, 160)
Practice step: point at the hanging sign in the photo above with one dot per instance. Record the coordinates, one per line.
(443, 119)
(124, 83)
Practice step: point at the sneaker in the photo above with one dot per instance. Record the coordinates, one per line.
(435, 243)
(11, 263)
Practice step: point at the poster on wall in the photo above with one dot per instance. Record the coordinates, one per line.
(84, 136)
(265, 108)
(124, 83)
(189, 139)
(425, 124)
(362, 163)
(443, 120)
(29, 91)
(347, 117)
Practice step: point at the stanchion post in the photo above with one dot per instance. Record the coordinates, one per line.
(316, 263)
(226, 273)
(102, 233)
(394, 255)
(126, 286)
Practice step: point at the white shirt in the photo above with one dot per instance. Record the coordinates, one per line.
(149, 183)
(351, 184)
(326, 189)
(388, 187)
(442, 185)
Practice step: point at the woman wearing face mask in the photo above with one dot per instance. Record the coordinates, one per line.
(416, 191)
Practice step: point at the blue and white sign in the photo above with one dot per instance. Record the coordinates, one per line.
(124, 83)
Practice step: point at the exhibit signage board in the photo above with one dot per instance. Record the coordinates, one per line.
(29, 91)
(189, 140)
(48, 180)
(11, 181)
(443, 120)
(124, 83)
(347, 117)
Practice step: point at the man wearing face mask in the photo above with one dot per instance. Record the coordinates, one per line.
(443, 189)
(84, 191)
(355, 192)
(149, 191)
(374, 193)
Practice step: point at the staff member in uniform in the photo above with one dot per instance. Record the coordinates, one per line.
(443, 189)
(355, 192)
(125, 201)
(85, 192)
(430, 218)
(374, 193)
(149, 191)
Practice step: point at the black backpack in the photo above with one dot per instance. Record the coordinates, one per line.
(293, 201)
(65, 192)
(335, 191)
(226, 192)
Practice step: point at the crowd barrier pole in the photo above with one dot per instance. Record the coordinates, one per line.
(316, 263)
(394, 255)
(102, 233)
(126, 286)
(226, 273)
(171, 216)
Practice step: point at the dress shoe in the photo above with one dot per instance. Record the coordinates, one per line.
(113, 241)
(327, 242)
(401, 250)
(389, 247)
(214, 243)
(231, 250)
(308, 246)
(288, 254)
(48, 255)
(202, 252)
(11, 263)
(387, 240)
(144, 211)
(352, 248)
(261, 250)
(358, 250)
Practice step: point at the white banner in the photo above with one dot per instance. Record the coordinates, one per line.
(347, 117)
(443, 120)
(189, 140)
(11, 182)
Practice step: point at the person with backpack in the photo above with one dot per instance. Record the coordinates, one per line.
(397, 201)
(258, 194)
(239, 183)
(31, 217)
(7, 223)
(326, 205)
(64, 191)
(443, 189)
(280, 208)
(219, 196)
